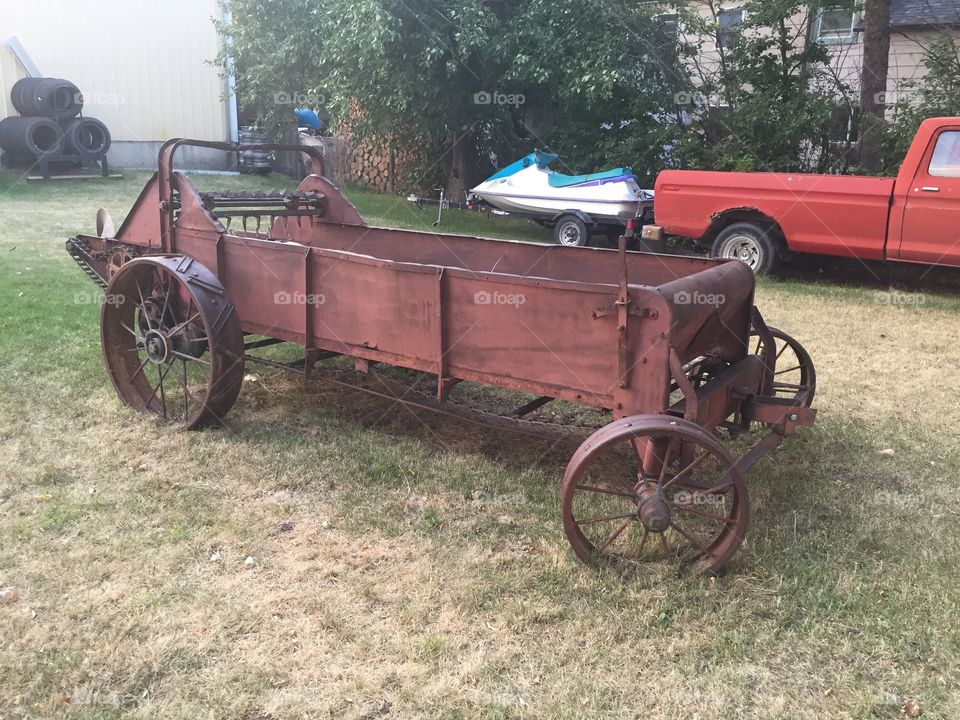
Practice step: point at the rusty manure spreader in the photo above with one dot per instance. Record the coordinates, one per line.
(672, 347)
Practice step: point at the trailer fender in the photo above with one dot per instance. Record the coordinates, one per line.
(587, 220)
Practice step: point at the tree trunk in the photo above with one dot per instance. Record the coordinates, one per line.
(461, 169)
(873, 85)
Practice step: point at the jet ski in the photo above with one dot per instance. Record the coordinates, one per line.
(529, 187)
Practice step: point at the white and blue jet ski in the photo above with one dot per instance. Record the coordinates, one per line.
(529, 187)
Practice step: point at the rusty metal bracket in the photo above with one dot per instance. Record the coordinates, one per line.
(690, 407)
(623, 310)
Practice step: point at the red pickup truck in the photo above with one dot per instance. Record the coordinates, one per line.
(761, 218)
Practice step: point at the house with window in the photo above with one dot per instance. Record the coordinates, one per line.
(144, 69)
(914, 25)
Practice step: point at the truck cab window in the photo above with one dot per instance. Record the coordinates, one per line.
(946, 155)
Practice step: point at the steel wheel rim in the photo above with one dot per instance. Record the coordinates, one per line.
(168, 347)
(794, 375)
(744, 248)
(570, 234)
(619, 534)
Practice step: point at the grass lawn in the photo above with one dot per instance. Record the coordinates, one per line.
(406, 565)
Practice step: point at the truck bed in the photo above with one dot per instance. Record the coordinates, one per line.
(831, 214)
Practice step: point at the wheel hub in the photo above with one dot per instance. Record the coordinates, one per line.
(653, 508)
(157, 347)
(744, 249)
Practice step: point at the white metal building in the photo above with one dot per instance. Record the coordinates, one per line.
(144, 67)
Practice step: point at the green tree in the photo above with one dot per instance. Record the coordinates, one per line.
(763, 99)
(277, 62)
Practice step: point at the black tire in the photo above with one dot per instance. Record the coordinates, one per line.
(30, 136)
(756, 246)
(47, 97)
(86, 137)
(571, 231)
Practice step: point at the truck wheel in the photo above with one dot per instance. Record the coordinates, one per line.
(750, 243)
(571, 231)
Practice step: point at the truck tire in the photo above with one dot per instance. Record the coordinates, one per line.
(47, 97)
(571, 231)
(86, 137)
(30, 136)
(752, 244)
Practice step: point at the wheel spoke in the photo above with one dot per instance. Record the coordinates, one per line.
(131, 331)
(186, 392)
(702, 513)
(138, 370)
(615, 534)
(158, 387)
(591, 521)
(688, 536)
(163, 395)
(781, 372)
(665, 545)
(605, 491)
(687, 470)
(189, 358)
(643, 542)
(671, 444)
(716, 488)
(143, 307)
(177, 329)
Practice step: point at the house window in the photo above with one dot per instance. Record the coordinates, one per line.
(946, 155)
(834, 26)
(669, 26)
(729, 22)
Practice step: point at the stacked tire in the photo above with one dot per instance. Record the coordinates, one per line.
(50, 125)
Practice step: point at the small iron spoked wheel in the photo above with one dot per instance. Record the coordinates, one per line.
(116, 260)
(794, 376)
(654, 487)
(752, 244)
(571, 231)
(171, 340)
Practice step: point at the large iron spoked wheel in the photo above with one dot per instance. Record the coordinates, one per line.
(652, 487)
(171, 340)
(794, 376)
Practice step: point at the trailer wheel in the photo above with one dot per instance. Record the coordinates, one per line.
(653, 487)
(571, 231)
(171, 340)
(794, 376)
(750, 243)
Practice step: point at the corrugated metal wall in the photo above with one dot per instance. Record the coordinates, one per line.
(143, 67)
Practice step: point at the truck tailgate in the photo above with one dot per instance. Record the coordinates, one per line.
(831, 214)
